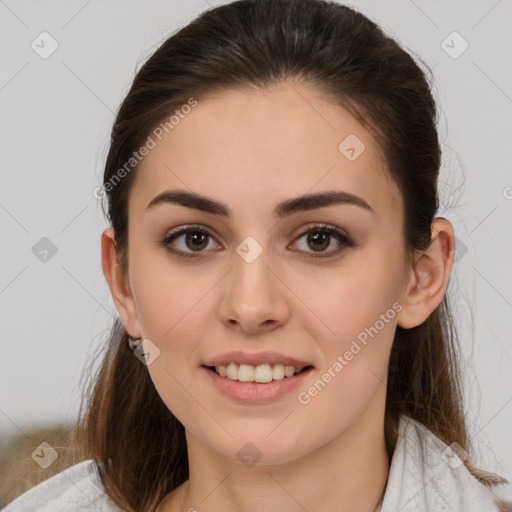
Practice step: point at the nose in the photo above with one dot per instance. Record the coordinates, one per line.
(253, 296)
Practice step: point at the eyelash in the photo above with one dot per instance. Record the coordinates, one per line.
(342, 238)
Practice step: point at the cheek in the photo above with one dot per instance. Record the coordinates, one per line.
(355, 335)
(343, 303)
(354, 321)
(167, 296)
(173, 307)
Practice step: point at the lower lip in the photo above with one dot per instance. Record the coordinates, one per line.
(255, 392)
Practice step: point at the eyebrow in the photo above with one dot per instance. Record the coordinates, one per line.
(284, 209)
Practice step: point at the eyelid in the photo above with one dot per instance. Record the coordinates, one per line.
(189, 227)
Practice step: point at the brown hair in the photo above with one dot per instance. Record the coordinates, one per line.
(137, 443)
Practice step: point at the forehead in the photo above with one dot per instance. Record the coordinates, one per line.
(265, 145)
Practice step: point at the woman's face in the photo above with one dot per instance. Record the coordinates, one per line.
(257, 282)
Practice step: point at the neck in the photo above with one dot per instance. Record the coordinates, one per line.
(348, 473)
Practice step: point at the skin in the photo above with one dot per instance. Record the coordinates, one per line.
(252, 149)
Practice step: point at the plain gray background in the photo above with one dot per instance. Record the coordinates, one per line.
(56, 115)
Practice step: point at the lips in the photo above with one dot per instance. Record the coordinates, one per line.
(255, 359)
(256, 393)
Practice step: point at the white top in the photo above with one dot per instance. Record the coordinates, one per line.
(424, 476)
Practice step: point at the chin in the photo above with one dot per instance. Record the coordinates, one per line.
(261, 450)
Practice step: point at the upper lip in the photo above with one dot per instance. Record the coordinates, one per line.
(255, 359)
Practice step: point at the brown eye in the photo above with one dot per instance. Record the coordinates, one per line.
(196, 240)
(318, 240)
(189, 240)
(320, 237)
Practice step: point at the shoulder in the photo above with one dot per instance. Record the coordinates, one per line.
(427, 474)
(76, 488)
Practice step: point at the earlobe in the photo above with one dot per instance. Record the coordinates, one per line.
(429, 276)
(118, 283)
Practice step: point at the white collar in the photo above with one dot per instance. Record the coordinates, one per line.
(421, 480)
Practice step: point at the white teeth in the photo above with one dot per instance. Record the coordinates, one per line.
(261, 373)
(278, 372)
(232, 371)
(245, 373)
(289, 371)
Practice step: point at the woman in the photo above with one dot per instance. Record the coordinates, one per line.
(285, 340)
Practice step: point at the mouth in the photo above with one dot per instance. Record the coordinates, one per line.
(256, 385)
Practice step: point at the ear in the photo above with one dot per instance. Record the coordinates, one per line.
(119, 284)
(428, 276)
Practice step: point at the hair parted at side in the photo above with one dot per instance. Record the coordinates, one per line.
(138, 445)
